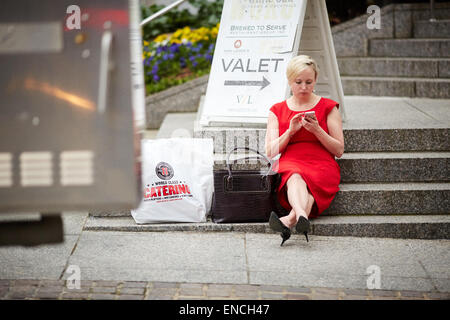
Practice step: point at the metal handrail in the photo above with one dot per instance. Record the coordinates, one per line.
(161, 12)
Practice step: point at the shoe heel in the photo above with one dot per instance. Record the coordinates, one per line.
(276, 225)
(285, 235)
(303, 225)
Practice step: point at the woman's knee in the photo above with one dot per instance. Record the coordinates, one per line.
(295, 179)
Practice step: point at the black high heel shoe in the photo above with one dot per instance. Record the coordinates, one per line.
(276, 225)
(302, 226)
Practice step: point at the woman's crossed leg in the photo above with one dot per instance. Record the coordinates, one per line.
(300, 199)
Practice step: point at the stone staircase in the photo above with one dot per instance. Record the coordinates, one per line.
(411, 64)
(395, 179)
(394, 172)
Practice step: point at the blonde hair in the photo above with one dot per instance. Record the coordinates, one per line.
(298, 64)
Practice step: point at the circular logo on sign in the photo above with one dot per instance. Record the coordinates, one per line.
(164, 171)
(237, 44)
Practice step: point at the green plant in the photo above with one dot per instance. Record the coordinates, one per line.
(208, 12)
(208, 16)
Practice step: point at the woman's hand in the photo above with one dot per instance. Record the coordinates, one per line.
(311, 124)
(295, 124)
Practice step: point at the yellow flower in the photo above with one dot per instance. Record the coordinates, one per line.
(177, 33)
(186, 30)
(187, 34)
(161, 38)
(174, 40)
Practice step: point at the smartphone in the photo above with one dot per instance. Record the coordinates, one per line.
(310, 114)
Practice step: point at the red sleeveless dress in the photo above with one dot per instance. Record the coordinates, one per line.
(306, 156)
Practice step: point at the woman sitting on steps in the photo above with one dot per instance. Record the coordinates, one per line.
(308, 144)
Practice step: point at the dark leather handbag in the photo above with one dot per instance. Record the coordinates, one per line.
(244, 195)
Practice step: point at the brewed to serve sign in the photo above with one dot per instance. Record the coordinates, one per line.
(256, 40)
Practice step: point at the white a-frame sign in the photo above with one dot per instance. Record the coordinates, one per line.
(256, 40)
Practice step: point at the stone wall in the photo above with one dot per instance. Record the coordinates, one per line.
(182, 98)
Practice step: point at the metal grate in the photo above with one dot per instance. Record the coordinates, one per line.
(36, 169)
(5, 170)
(76, 168)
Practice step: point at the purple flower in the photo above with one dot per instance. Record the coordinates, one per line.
(174, 48)
(155, 69)
(155, 78)
(182, 62)
(211, 47)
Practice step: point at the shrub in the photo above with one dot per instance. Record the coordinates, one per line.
(173, 58)
(208, 15)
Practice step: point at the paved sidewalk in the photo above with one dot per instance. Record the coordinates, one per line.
(227, 265)
(131, 290)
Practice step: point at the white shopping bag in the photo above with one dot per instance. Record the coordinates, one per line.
(178, 183)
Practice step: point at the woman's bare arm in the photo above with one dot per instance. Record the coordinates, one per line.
(334, 140)
(275, 144)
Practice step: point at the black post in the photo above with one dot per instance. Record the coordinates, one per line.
(48, 230)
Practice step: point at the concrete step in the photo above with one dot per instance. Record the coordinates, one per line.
(177, 125)
(396, 87)
(403, 227)
(395, 166)
(372, 124)
(391, 198)
(374, 199)
(395, 67)
(356, 140)
(427, 29)
(396, 140)
(362, 167)
(409, 47)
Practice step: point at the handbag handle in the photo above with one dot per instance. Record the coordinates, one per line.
(248, 149)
